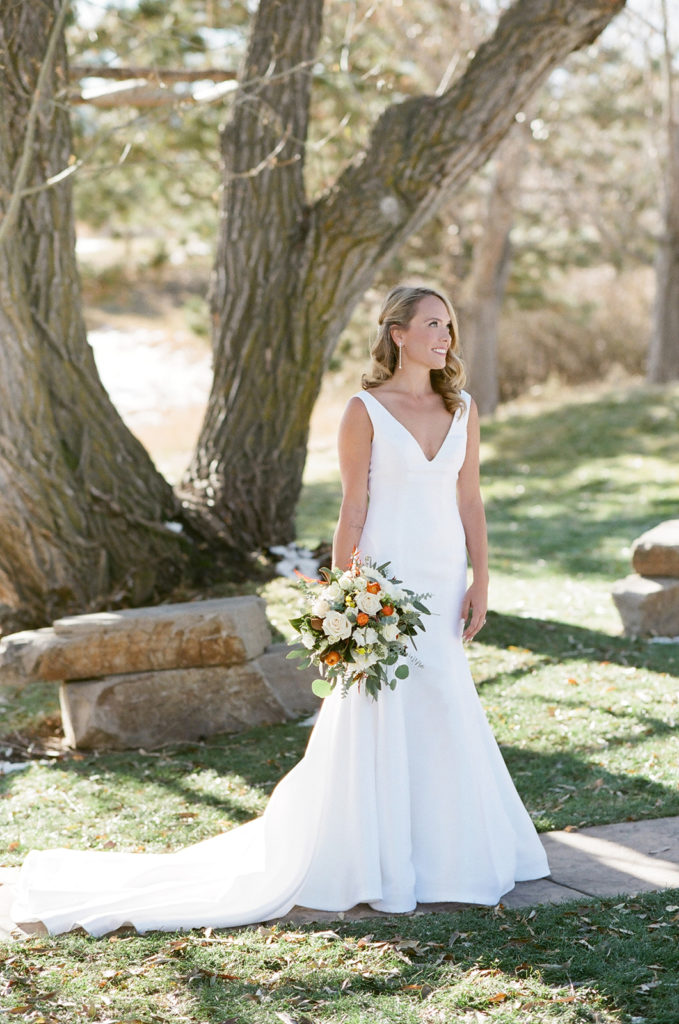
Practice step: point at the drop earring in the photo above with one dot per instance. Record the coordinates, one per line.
(400, 357)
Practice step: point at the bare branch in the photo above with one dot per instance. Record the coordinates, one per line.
(139, 93)
(152, 74)
(426, 147)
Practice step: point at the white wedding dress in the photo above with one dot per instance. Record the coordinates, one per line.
(401, 800)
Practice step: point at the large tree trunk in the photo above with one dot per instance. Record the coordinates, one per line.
(268, 357)
(288, 274)
(483, 291)
(82, 507)
(663, 353)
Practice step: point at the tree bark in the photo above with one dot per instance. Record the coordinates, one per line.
(249, 460)
(81, 505)
(483, 291)
(663, 353)
(288, 274)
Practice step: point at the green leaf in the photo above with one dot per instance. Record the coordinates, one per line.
(322, 687)
(402, 671)
(296, 654)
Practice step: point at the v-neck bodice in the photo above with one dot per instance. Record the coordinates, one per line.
(410, 433)
(412, 518)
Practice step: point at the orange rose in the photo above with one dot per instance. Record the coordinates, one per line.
(362, 618)
(373, 588)
(388, 609)
(331, 658)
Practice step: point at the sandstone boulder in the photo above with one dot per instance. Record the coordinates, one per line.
(150, 709)
(648, 606)
(656, 552)
(20, 653)
(291, 684)
(195, 634)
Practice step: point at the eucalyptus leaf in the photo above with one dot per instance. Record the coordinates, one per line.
(402, 671)
(322, 687)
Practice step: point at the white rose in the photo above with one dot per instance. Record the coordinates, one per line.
(373, 574)
(358, 636)
(362, 661)
(336, 625)
(360, 583)
(332, 591)
(390, 631)
(369, 635)
(346, 581)
(308, 640)
(368, 603)
(320, 607)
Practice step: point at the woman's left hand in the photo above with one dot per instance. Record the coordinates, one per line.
(474, 608)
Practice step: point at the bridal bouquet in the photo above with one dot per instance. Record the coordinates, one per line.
(356, 626)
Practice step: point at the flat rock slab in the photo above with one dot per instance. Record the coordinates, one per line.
(648, 606)
(150, 709)
(291, 684)
(195, 634)
(604, 860)
(656, 552)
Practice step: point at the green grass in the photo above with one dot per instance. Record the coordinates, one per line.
(586, 720)
(600, 961)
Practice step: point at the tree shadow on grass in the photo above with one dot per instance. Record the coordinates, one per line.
(560, 788)
(564, 960)
(562, 642)
(261, 756)
(252, 760)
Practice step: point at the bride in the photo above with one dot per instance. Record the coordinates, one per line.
(398, 800)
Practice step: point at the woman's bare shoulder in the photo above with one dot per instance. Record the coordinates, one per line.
(356, 417)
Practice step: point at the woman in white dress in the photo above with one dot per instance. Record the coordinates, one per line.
(396, 801)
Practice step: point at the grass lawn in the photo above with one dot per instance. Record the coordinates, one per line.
(586, 720)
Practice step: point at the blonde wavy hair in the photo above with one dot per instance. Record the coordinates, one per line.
(398, 310)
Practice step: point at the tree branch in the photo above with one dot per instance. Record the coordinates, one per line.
(423, 149)
(159, 76)
(141, 93)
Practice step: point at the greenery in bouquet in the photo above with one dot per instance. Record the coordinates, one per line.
(356, 626)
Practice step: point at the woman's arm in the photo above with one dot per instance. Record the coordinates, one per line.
(473, 516)
(354, 442)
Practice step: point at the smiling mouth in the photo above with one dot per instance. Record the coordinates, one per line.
(441, 351)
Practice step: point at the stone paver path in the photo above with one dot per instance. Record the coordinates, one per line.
(604, 860)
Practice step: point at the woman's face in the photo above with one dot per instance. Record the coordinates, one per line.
(426, 339)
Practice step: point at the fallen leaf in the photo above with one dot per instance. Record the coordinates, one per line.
(499, 997)
(422, 990)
